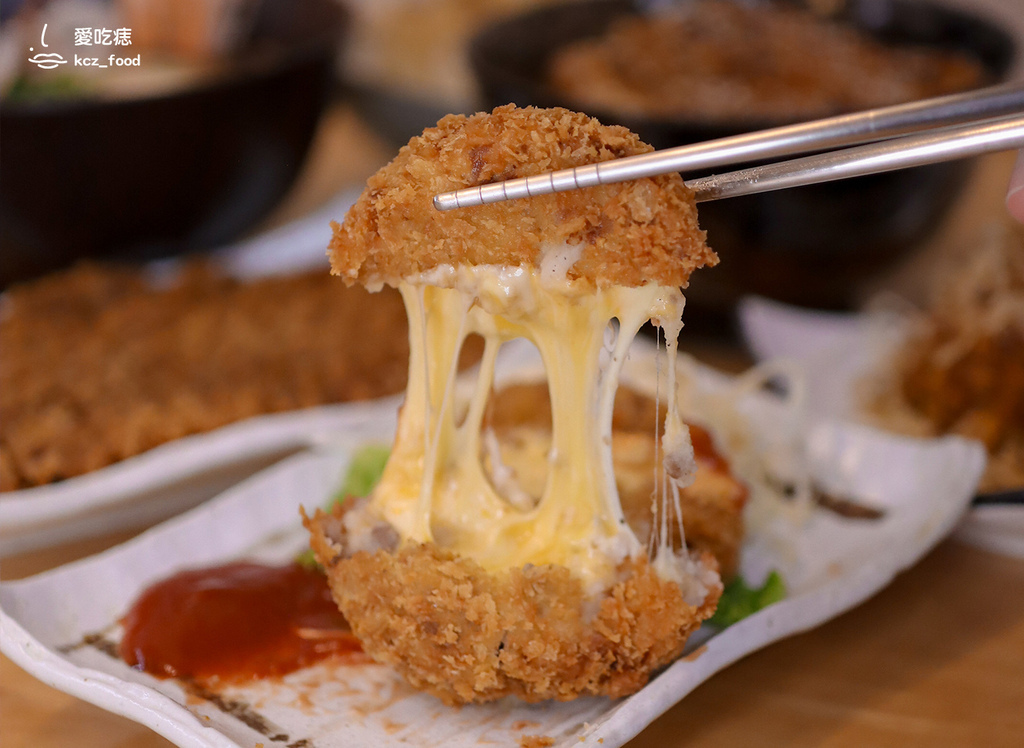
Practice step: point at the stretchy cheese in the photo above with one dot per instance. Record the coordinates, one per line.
(435, 487)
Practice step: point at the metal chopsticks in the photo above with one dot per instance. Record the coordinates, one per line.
(898, 137)
(945, 144)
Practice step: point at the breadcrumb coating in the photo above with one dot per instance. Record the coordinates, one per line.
(99, 363)
(632, 233)
(454, 630)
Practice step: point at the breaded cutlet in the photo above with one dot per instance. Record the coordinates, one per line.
(471, 592)
(631, 233)
(100, 364)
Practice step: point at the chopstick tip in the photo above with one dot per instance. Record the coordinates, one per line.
(446, 201)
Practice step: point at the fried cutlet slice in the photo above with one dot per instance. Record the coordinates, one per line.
(99, 363)
(465, 635)
(630, 233)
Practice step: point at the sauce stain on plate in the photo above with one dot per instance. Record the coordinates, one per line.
(235, 622)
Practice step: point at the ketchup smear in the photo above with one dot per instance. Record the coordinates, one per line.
(234, 623)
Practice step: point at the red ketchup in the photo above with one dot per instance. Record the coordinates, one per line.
(235, 622)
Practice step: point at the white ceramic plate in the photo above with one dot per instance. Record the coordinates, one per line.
(179, 475)
(165, 480)
(830, 564)
(837, 351)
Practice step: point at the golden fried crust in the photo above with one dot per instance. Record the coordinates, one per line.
(98, 363)
(632, 233)
(465, 635)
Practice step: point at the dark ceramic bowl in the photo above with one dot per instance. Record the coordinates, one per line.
(150, 177)
(810, 245)
(395, 116)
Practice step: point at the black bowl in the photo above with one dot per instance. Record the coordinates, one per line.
(811, 245)
(149, 177)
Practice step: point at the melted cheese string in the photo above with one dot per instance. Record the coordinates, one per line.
(435, 487)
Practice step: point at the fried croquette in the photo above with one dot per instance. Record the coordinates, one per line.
(630, 233)
(463, 634)
(469, 586)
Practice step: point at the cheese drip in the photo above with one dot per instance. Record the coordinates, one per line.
(435, 487)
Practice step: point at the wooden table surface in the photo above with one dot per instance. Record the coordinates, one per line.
(936, 659)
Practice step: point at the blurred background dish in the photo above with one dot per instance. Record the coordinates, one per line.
(407, 64)
(184, 149)
(813, 245)
(953, 366)
(107, 362)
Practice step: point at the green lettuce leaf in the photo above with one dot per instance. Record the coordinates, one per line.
(363, 473)
(739, 601)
